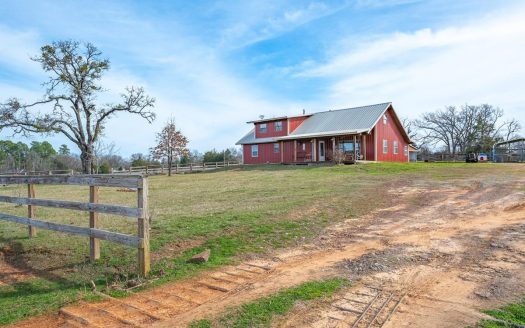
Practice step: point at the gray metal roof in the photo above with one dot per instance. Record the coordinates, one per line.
(333, 122)
(341, 120)
(249, 138)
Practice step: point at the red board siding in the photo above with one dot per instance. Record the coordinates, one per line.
(288, 151)
(295, 122)
(270, 129)
(390, 132)
(266, 154)
(369, 151)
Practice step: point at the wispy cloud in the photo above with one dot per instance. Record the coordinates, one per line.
(428, 69)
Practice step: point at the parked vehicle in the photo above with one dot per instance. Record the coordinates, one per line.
(472, 158)
(482, 157)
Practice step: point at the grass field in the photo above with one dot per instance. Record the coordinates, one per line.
(235, 213)
(512, 315)
(261, 312)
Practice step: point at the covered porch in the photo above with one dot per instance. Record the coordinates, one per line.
(337, 149)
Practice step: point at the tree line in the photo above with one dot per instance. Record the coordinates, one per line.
(462, 129)
(19, 157)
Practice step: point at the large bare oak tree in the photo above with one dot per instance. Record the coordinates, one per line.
(71, 98)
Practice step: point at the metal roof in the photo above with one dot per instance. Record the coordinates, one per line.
(349, 119)
(333, 122)
(249, 138)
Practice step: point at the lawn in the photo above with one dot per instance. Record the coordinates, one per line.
(235, 213)
(260, 313)
(511, 315)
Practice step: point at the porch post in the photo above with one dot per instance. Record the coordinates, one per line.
(364, 144)
(314, 152)
(295, 151)
(333, 149)
(375, 144)
(355, 148)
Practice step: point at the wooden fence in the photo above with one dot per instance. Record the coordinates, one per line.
(178, 168)
(141, 241)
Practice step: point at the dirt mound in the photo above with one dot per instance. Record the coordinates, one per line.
(384, 261)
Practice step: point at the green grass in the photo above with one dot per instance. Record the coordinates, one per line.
(233, 212)
(512, 314)
(260, 313)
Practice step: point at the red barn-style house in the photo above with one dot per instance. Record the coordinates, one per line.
(370, 133)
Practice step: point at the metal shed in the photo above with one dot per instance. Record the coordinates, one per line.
(509, 151)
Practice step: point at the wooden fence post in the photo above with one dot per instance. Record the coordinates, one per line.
(191, 167)
(94, 243)
(143, 229)
(31, 209)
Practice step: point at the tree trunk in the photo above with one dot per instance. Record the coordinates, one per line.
(86, 158)
(169, 166)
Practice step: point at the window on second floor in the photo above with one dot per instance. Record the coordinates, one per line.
(278, 126)
(384, 119)
(263, 128)
(385, 146)
(276, 148)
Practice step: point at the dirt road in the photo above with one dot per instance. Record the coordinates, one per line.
(434, 259)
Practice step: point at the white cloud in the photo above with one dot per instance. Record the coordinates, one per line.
(266, 20)
(17, 47)
(428, 69)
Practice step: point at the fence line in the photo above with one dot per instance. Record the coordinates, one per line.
(446, 157)
(140, 183)
(178, 168)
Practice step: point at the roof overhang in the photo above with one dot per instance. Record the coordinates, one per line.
(323, 134)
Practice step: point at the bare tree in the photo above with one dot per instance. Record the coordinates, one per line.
(171, 144)
(71, 92)
(469, 128)
(440, 126)
(410, 128)
(510, 129)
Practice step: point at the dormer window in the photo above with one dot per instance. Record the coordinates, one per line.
(263, 128)
(384, 119)
(278, 126)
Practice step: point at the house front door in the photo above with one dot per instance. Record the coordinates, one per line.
(321, 151)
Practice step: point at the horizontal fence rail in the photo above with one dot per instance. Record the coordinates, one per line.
(138, 182)
(86, 180)
(178, 168)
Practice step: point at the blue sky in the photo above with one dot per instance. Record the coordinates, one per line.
(215, 65)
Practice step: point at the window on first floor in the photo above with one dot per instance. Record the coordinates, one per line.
(278, 126)
(396, 147)
(255, 150)
(276, 148)
(347, 146)
(385, 146)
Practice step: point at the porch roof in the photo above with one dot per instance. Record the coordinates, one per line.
(322, 134)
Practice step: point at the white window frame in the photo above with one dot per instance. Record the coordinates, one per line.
(385, 119)
(276, 148)
(255, 150)
(396, 147)
(278, 126)
(385, 146)
(263, 128)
